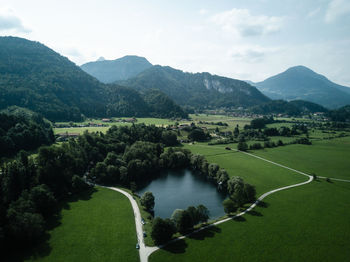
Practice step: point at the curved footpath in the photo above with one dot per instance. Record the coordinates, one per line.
(146, 251)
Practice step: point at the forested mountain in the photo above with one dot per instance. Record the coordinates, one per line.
(292, 108)
(200, 90)
(301, 83)
(109, 71)
(161, 105)
(342, 114)
(35, 77)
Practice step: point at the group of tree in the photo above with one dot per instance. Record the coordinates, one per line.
(21, 129)
(291, 108)
(181, 221)
(239, 193)
(198, 134)
(30, 191)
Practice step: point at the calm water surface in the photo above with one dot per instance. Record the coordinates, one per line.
(180, 189)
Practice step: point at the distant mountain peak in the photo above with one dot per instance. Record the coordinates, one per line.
(101, 58)
(300, 82)
(109, 71)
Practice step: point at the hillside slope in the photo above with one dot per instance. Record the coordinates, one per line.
(200, 90)
(35, 77)
(301, 83)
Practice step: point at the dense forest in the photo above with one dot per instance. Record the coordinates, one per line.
(291, 108)
(35, 77)
(21, 129)
(340, 115)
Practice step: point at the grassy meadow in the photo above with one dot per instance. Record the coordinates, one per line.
(329, 158)
(308, 223)
(100, 228)
(263, 175)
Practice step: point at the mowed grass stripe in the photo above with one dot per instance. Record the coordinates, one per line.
(307, 223)
(98, 229)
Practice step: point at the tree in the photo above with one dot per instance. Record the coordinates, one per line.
(229, 206)
(162, 230)
(169, 138)
(192, 211)
(78, 184)
(198, 134)
(175, 217)
(147, 200)
(250, 192)
(222, 177)
(236, 131)
(184, 223)
(233, 183)
(242, 146)
(203, 213)
(43, 199)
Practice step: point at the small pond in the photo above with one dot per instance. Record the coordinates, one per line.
(183, 188)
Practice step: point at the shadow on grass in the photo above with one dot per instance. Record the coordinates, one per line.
(254, 213)
(42, 248)
(262, 204)
(239, 219)
(176, 247)
(205, 233)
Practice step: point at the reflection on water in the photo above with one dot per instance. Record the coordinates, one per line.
(180, 189)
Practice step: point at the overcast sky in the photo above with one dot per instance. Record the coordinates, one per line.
(243, 39)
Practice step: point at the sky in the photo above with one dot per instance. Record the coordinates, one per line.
(242, 39)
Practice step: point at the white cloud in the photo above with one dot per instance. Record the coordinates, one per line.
(243, 23)
(336, 9)
(250, 54)
(314, 12)
(10, 22)
(203, 11)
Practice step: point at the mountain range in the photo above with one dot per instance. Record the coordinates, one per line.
(34, 76)
(199, 90)
(301, 83)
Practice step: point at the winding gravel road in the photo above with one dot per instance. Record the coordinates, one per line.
(146, 251)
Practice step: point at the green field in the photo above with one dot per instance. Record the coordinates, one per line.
(80, 130)
(329, 158)
(98, 229)
(308, 223)
(264, 176)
